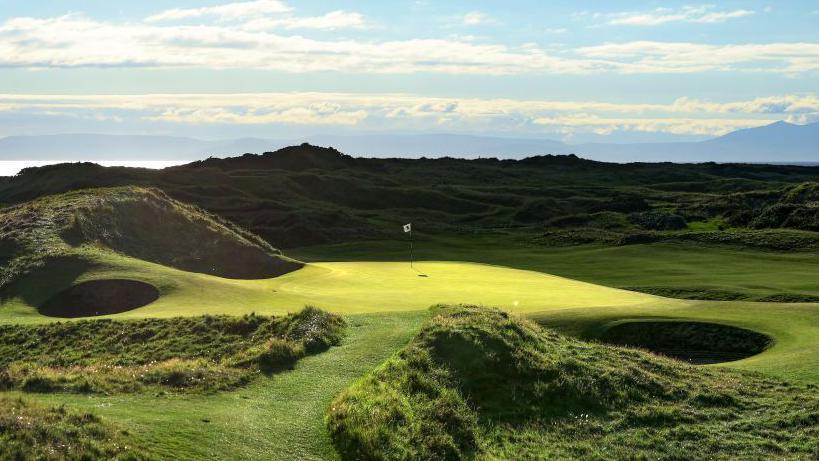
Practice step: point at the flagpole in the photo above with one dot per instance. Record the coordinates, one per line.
(411, 255)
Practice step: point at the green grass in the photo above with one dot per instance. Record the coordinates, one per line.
(384, 302)
(574, 307)
(278, 417)
(341, 287)
(753, 274)
(479, 243)
(678, 265)
(477, 383)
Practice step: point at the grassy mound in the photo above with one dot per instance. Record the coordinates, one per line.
(29, 432)
(189, 353)
(100, 297)
(142, 223)
(478, 383)
(695, 342)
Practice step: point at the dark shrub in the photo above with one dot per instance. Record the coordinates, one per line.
(658, 220)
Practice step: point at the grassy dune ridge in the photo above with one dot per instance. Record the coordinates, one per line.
(478, 383)
(142, 223)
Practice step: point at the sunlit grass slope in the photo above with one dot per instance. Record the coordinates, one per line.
(681, 267)
(342, 287)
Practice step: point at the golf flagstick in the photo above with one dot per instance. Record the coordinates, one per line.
(408, 228)
(412, 257)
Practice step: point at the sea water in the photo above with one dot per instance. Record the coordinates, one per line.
(12, 167)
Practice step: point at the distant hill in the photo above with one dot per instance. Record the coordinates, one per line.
(439, 145)
(779, 142)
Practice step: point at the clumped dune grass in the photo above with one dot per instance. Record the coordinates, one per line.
(478, 383)
(34, 432)
(208, 353)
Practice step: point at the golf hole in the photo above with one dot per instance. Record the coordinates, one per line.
(100, 297)
(699, 343)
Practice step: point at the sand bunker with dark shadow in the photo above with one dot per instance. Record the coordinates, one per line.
(100, 297)
(693, 342)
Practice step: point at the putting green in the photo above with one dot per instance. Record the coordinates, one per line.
(344, 287)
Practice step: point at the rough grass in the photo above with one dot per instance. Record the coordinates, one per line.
(207, 353)
(708, 294)
(477, 383)
(33, 432)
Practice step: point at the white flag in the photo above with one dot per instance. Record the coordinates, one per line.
(408, 227)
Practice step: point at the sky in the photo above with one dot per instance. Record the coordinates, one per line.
(575, 71)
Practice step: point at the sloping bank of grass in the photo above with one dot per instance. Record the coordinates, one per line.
(478, 383)
(208, 353)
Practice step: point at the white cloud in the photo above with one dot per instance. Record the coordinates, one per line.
(258, 43)
(73, 41)
(648, 56)
(723, 16)
(402, 111)
(474, 18)
(230, 11)
(658, 16)
(679, 126)
(330, 21)
(76, 41)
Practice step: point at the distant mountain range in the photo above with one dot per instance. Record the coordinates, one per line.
(780, 142)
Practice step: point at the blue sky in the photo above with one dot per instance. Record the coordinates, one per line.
(571, 70)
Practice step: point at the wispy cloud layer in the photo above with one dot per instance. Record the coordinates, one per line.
(333, 20)
(229, 11)
(400, 111)
(77, 41)
(697, 14)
